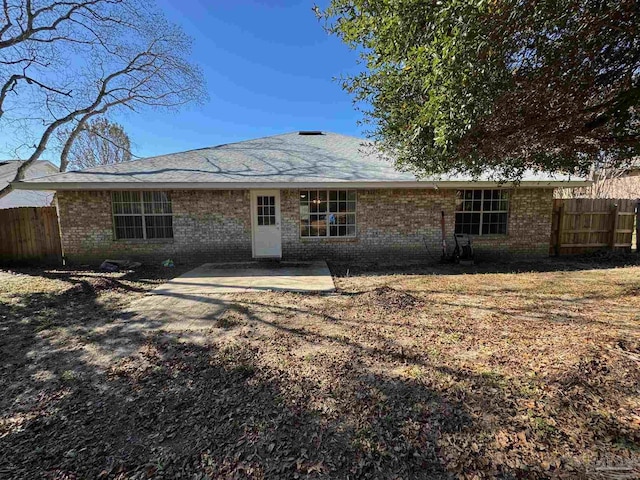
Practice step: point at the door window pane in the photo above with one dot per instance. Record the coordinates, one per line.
(266, 210)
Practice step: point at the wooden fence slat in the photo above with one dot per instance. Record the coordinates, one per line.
(614, 225)
(29, 233)
(581, 225)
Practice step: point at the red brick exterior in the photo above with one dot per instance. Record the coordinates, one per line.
(212, 226)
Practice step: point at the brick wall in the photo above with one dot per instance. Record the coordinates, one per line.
(216, 226)
(208, 226)
(396, 224)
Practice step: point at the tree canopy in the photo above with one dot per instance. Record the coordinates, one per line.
(496, 86)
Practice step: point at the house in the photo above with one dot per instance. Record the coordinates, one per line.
(298, 195)
(25, 198)
(614, 183)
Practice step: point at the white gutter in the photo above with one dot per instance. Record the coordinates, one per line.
(285, 185)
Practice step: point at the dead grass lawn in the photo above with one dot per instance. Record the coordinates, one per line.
(417, 375)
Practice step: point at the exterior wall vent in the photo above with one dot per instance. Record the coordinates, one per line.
(310, 132)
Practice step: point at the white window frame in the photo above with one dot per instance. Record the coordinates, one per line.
(141, 214)
(482, 210)
(327, 213)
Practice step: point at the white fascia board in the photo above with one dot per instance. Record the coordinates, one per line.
(285, 185)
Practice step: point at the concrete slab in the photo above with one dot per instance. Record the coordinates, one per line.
(216, 278)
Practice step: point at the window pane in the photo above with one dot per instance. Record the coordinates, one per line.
(351, 206)
(333, 195)
(304, 197)
(128, 227)
(159, 226)
(126, 203)
(156, 202)
(318, 225)
(351, 195)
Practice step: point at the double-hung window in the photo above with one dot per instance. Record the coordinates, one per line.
(482, 212)
(142, 215)
(327, 213)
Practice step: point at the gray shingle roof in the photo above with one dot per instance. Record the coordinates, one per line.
(289, 158)
(25, 198)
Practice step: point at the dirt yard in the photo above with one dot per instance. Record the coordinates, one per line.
(425, 373)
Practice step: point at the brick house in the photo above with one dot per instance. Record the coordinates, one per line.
(294, 196)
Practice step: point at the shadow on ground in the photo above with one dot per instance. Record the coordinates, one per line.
(170, 408)
(96, 382)
(433, 266)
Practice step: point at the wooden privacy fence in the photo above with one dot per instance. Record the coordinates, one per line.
(29, 233)
(581, 225)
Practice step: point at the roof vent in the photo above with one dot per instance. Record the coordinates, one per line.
(310, 132)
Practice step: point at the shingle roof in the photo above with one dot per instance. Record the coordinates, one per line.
(25, 198)
(289, 158)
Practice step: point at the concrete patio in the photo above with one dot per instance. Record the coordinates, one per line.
(221, 278)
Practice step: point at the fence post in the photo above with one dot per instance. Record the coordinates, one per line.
(560, 213)
(638, 225)
(614, 226)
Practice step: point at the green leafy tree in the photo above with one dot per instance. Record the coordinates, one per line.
(496, 86)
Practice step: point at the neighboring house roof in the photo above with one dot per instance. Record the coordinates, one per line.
(306, 159)
(25, 198)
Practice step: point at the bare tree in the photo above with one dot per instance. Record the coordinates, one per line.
(64, 62)
(100, 142)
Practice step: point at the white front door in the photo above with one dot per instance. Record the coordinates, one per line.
(265, 219)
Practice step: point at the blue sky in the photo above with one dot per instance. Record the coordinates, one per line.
(269, 68)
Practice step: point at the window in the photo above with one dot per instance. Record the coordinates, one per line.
(266, 210)
(482, 212)
(327, 213)
(142, 215)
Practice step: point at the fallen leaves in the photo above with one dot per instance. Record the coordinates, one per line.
(528, 375)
